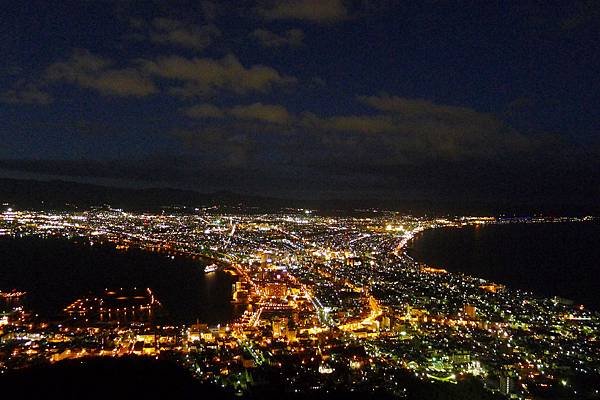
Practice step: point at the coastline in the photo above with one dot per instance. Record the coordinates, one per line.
(424, 247)
(176, 279)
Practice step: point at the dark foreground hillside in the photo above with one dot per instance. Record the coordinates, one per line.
(108, 378)
(144, 378)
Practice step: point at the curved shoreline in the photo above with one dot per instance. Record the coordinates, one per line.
(550, 276)
(107, 260)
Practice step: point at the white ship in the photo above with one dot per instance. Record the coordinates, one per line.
(210, 268)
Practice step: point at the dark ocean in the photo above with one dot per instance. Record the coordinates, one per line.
(550, 259)
(55, 272)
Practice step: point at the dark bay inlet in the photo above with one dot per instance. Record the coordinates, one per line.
(551, 259)
(55, 272)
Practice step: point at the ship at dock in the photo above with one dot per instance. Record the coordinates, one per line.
(210, 268)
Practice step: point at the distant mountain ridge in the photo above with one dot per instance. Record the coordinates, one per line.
(60, 194)
(63, 194)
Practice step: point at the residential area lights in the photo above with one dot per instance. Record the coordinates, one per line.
(330, 302)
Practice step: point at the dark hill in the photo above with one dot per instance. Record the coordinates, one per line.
(59, 194)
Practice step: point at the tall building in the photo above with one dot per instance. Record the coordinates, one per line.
(276, 289)
(506, 383)
(279, 325)
(470, 311)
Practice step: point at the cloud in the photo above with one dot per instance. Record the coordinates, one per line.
(291, 37)
(402, 130)
(204, 111)
(317, 11)
(262, 112)
(269, 113)
(201, 76)
(412, 131)
(449, 132)
(93, 72)
(25, 93)
(416, 107)
(408, 147)
(184, 77)
(179, 33)
(369, 124)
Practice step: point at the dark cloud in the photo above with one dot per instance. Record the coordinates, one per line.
(262, 112)
(268, 113)
(422, 128)
(369, 124)
(26, 93)
(179, 33)
(184, 77)
(415, 107)
(317, 11)
(405, 131)
(291, 37)
(201, 76)
(78, 127)
(202, 111)
(98, 73)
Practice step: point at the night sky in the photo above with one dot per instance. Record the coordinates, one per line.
(459, 101)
